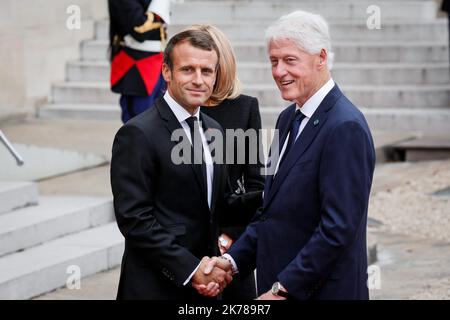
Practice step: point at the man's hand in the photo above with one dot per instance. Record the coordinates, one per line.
(219, 262)
(211, 278)
(215, 262)
(270, 296)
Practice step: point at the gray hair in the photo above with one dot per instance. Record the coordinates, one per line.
(308, 30)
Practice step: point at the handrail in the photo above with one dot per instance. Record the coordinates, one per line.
(11, 149)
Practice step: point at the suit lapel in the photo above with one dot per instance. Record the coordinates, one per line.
(284, 130)
(172, 124)
(312, 128)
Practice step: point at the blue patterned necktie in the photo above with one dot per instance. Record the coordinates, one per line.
(295, 126)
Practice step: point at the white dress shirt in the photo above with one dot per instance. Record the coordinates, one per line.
(308, 109)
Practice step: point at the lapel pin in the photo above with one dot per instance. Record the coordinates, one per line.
(316, 122)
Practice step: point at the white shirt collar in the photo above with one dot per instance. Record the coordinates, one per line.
(311, 105)
(180, 113)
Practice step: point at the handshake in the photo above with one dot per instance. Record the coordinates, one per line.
(212, 276)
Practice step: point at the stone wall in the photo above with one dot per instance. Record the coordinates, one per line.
(35, 44)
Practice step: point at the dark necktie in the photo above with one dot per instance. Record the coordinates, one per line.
(295, 126)
(197, 156)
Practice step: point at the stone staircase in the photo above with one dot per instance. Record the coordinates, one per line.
(41, 237)
(398, 75)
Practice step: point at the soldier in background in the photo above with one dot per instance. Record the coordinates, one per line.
(137, 36)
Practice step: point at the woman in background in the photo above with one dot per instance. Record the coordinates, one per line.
(234, 110)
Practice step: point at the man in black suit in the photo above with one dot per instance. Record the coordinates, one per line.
(168, 212)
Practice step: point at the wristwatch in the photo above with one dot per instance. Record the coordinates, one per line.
(277, 290)
(223, 241)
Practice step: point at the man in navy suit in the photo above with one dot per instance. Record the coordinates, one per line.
(308, 241)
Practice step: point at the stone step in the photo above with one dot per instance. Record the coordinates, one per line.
(94, 50)
(344, 73)
(83, 92)
(399, 96)
(52, 218)
(88, 70)
(47, 267)
(80, 111)
(436, 30)
(15, 195)
(393, 119)
(377, 74)
(366, 96)
(390, 31)
(429, 121)
(424, 149)
(351, 52)
(213, 11)
(424, 120)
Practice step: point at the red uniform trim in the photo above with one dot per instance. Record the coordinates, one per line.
(120, 65)
(149, 68)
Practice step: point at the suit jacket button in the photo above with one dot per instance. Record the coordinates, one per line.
(263, 217)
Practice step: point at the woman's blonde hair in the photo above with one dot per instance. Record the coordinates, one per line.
(227, 84)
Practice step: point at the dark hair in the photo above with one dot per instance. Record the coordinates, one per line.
(197, 38)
